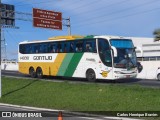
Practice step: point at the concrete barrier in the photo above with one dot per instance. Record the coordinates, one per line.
(149, 69)
(9, 65)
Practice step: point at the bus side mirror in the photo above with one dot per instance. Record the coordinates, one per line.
(114, 51)
(139, 67)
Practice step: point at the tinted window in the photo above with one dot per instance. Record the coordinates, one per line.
(105, 52)
(122, 43)
(22, 49)
(71, 47)
(90, 45)
(79, 46)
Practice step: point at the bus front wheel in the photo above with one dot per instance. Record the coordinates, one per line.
(32, 72)
(39, 73)
(90, 75)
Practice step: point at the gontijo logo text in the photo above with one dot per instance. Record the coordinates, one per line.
(36, 58)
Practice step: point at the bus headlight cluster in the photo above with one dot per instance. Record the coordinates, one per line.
(117, 72)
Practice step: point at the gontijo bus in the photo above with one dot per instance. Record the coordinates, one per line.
(91, 57)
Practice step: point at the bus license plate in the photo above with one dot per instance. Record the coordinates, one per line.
(127, 76)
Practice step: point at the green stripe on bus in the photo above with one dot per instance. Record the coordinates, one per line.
(73, 64)
(65, 64)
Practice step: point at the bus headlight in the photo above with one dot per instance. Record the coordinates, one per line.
(117, 72)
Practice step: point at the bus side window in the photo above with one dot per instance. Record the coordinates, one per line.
(27, 49)
(22, 49)
(43, 48)
(59, 48)
(104, 52)
(71, 47)
(90, 45)
(52, 48)
(30, 49)
(94, 46)
(66, 47)
(79, 46)
(62, 47)
(36, 48)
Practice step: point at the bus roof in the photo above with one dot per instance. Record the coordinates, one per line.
(73, 37)
(70, 37)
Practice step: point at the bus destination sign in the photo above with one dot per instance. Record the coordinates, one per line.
(47, 19)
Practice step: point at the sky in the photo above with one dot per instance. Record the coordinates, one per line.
(130, 18)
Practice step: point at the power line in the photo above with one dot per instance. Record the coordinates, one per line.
(13, 38)
(69, 4)
(21, 5)
(21, 2)
(122, 17)
(81, 6)
(100, 9)
(119, 11)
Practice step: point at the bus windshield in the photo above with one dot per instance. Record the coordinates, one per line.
(126, 55)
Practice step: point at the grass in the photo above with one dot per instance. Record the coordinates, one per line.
(80, 96)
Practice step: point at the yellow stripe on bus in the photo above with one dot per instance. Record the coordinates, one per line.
(57, 63)
(48, 68)
(72, 37)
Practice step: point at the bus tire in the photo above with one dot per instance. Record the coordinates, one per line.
(90, 75)
(32, 72)
(158, 76)
(39, 73)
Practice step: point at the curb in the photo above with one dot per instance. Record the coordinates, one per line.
(66, 112)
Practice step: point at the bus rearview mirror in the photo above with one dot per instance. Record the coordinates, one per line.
(114, 51)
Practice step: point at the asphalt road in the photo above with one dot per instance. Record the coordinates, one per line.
(143, 82)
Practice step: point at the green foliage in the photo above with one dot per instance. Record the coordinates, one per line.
(79, 96)
(156, 34)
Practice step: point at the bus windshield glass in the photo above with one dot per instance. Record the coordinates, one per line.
(126, 55)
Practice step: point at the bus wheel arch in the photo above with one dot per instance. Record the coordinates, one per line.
(91, 75)
(32, 72)
(39, 72)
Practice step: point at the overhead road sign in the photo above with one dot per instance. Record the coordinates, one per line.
(7, 14)
(46, 14)
(47, 19)
(43, 23)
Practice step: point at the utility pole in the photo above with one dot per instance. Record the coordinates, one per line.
(0, 49)
(3, 46)
(69, 26)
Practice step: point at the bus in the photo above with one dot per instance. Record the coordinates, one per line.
(91, 57)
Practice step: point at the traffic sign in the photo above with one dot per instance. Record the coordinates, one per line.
(46, 14)
(44, 23)
(7, 14)
(47, 19)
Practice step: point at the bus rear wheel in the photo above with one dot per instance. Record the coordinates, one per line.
(32, 73)
(39, 73)
(90, 75)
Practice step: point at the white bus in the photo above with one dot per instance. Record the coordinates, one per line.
(91, 57)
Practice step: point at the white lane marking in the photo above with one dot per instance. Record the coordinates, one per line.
(89, 118)
(121, 118)
(26, 107)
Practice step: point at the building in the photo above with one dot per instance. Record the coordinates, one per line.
(148, 53)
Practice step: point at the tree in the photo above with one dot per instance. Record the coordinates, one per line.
(156, 34)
